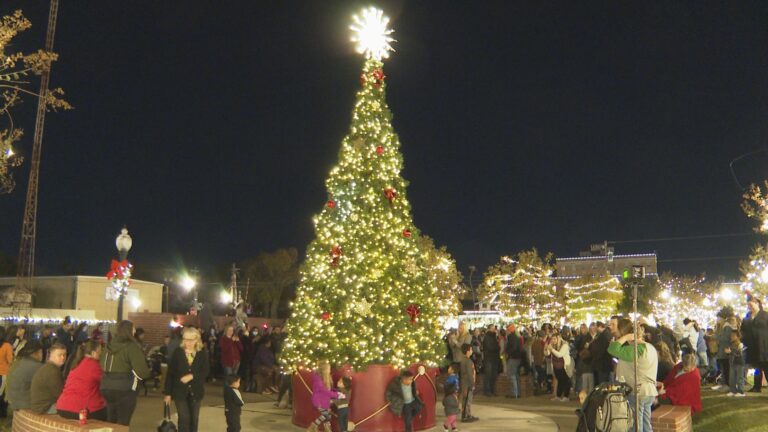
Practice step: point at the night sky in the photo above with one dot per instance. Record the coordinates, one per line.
(208, 128)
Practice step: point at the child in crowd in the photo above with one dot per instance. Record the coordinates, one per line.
(451, 406)
(321, 397)
(344, 386)
(735, 353)
(233, 401)
(453, 378)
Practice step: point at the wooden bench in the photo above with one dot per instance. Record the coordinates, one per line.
(27, 421)
(669, 418)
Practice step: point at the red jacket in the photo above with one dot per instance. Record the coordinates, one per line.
(230, 351)
(82, 388)
(685, 389)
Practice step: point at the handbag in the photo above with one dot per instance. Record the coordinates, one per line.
(166, 425)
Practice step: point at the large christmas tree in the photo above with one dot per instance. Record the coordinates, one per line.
(364, 296)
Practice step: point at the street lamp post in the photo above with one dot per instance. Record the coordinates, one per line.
(123, 243)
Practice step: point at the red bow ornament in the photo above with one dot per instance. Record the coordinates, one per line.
(413, 310)
(336, 253)
(118, 269)
(390, 193)
(379, 76)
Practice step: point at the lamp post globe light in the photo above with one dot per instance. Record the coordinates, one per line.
(189, 283)
(123, 243)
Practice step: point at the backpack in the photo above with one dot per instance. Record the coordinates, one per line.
(606, 409)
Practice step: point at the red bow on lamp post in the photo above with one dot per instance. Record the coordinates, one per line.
(414, 311)
(119, 269)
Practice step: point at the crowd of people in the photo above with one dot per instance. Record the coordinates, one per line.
(673, 362)
(74, 371)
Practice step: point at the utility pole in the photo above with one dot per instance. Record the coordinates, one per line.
(23, 292)
(233, 285)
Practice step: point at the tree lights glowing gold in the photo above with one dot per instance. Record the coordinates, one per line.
(521, 288)
(364, 270)
(591, 298)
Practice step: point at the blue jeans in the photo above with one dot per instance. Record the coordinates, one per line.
(513, 373)
(342, 415)
(736, 379)
(644, 417)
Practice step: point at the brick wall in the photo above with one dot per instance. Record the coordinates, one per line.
(668, 418)
(157, 325)
(27, 421)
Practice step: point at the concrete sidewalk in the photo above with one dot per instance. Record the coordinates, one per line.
(263, 416)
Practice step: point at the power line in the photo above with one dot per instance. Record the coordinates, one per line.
(699, 237)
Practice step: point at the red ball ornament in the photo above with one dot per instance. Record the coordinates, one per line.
(407, 233)
(413, 310)
(379, 150)
(378, 75)
(391, 194)
(326, 316)
(331, 204)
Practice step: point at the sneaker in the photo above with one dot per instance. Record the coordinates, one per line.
(754, 390)
(564, 399)
(555, 399)
(729, 394)
(717, 387)
(739, 395)
(445, 429)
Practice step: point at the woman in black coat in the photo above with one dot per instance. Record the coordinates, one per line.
(755, 330)
(185, 381)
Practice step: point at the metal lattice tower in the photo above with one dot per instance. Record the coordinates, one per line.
(21, 301)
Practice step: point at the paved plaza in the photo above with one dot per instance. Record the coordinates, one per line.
(259, 414)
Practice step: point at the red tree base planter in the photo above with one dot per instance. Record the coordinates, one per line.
(368, 407)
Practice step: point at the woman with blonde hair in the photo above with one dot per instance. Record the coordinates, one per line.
(322, 393)
(185, 382)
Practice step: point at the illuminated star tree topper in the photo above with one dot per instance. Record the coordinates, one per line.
(371, 35)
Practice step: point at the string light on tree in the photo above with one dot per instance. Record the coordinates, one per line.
(365, 268)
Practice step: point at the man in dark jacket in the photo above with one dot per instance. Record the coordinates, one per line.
(515, 354)
(491, 359)
(404, 399)
(755, 331)
(602, 362)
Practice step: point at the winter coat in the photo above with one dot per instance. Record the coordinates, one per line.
(46, 388)
(124, 356)
(395, 396)
(723, 341)
(456, 341)
(451, 404)
(515, 349)
(684, 389)
(755, 338)
(230, 351)
(491, 348)
(322, 395)
(264, 356)
(468, 374)
(601, 360)
(6, 358)
(178, 366)
(563, 353)
(81, 390)
(232, 402)
(19, 384)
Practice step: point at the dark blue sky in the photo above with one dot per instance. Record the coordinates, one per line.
(209, 127)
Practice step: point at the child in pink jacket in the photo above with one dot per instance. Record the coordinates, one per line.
(321, 397)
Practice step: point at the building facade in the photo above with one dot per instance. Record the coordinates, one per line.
(91, 293)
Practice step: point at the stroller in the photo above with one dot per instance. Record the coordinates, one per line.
(606, 409)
